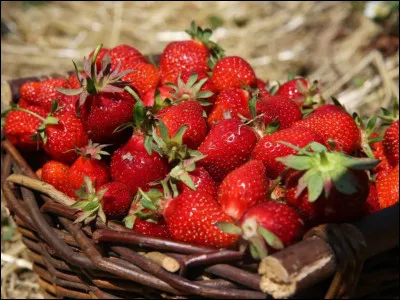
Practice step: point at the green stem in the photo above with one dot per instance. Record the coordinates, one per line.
(94, 58)
(132, 92)
(324, 159)
(32, 113)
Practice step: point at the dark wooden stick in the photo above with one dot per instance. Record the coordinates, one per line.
(312, 260)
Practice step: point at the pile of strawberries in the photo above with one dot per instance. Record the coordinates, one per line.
(198, 149)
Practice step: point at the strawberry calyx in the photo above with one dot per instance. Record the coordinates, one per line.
(171, 148)
(324, 169)
(146, 207)
(95, 81)
(92, 150)
(254, 236)
(368, 137)
(190, 90)
(89, 202)
(390, 116)
(203, 36)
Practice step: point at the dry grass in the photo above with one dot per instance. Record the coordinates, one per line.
(328, 41)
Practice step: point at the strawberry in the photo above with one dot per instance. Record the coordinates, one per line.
(61, 135)
(387, 186)
(191, 217)
(335, 127)
(133, 166)
(109, 201)
(235, 101)
(103, 103)
(68, 103)
(341, 177)
(280, 109)
(267, 227)
(20, 126)
(227, 146)
(159, 229)
(122, 54)
(56, 174)
(41, 93)
(391, 143)
(143, 78)
(189, 114)
(243, 188)
(232, 72)
(116, 200)
(269, 148)
(89, 164)
(371, 205)
(191, 55)
(203, 182)
(299, 90)
(163, 92)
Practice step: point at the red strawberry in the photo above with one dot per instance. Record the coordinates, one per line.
(269, 148)
(191, 218)
(42, 93)
(298, 90)
(328, 108)
(182, 56)
(190, 56)
(103, 103)
(123, 54)
(159, 229)
(89, 164)
(56, 174)
(148, 98)
(262, 89)
(143, 78)
(371, 205)
(190, 114)
(334, 127)
(243, 188)
(280, 109)
(103, 113)
(227, 146)
(21, 126)
(67, 103)
(341, 177)
(133, 166)
(116, 200)
(235, 101)
(232, 72)
(387, 186)
(391, 143)
(67, 134)
(202, 181)
(268, 226)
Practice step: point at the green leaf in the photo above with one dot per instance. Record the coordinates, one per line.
(148, 204)
(252, 107)
(291, 76)
(254, 252)
(273, 126)
(177, 138)
(345, 182)
(317, 147)
(101, 214)
(315, 185)
(148, 141)
(88, 183)
(204, 94)
(360, 163)
(192, 79)
(91, 86)
(91, 206)
(143, 215)
(70, 92)
(80, 204)
(163, 131)
(229, 228)
(299, 163)
(86, 216)
(129, 221)
(139, 113)
(260, 247)
(196, 88)
(51, 121)
(270, 238)
(54, 106)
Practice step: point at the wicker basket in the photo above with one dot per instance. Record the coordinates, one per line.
(109, 261)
